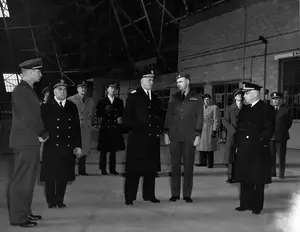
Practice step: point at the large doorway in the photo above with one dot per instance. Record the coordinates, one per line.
(289, 84)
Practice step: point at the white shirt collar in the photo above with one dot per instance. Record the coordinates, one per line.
(147, 91)
(253, 103)
(111, 98)
(58, 101)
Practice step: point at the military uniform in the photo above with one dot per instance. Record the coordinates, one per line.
(27, 127)
(230, 123)
(283, 123)
(86, 111)
(110, 134)
(58, 166)
(255, 127)
(143, 118)
(184, 120)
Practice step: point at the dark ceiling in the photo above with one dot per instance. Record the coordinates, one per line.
(87, 38)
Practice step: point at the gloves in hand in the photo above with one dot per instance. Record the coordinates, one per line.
(108, 109)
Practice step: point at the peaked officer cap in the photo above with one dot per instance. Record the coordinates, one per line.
(149, 75)
(275, 95)
(185, 75)
(82, 84)
(60, 82)
(247, 86)
(32, 64)
(237, 91)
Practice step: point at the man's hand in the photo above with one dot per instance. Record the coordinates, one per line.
(78, 152)
(120, 120)
(166, 139)
(196, 141)
(108, 109)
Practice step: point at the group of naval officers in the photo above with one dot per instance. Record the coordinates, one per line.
(256, 133)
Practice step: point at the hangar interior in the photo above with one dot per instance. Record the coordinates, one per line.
(221, 43)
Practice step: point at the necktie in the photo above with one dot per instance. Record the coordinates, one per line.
(61, 105)
(183, 96)
(83, 99)
(148, 93)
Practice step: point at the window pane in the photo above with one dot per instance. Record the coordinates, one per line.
(10, 81)
(3, 9)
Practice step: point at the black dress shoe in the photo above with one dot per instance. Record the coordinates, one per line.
(188, 199)
(61, 205)
(128, 202)
(240, 209)
(26, 224)
(200, 165)
(104, 172)
(51, 206)
(114, 173)
(256, 211)
(229, 181)
(174, 198)
(34, 217)
(83, 174)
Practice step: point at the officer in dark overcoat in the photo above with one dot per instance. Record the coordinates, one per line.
(27, 131)
(283, 123)
(143, 117)
(60, 117)
(183, 125)
(255, 127)
(230, 122)
(110, 112)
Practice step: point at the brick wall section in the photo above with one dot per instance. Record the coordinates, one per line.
(212, 51)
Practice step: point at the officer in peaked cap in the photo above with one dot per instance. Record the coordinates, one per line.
(60, 117)
(252, 167)
(230, 121)
(182, 130)
(143, 117)
(110, 111)
(86, 108)
(283, 123)
(27, 131)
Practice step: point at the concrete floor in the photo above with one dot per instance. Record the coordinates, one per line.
(95, 203)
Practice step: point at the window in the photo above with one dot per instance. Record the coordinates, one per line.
(11, 80)
(290, 85)
(3, 9)
(164, 96)
(198, 88)
(223, 95)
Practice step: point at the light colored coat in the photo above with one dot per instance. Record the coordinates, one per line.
(211, 123)
(86, 112)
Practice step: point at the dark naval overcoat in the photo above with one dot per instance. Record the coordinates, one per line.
(63, 126)
(110, 133)
(143, 117)
(255, 127)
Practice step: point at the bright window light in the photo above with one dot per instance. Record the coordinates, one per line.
(3, 9)
(11, 80)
